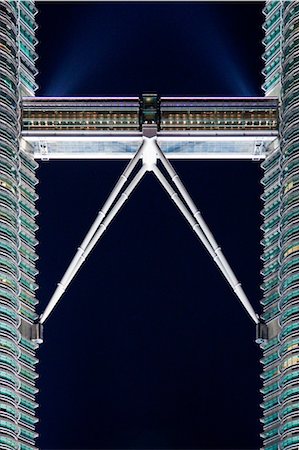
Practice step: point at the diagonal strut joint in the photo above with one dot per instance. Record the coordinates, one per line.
(32, 331)
(150, 154)
(262, 333)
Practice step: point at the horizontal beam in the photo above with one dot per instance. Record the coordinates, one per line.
(81, 136)
(123, 147)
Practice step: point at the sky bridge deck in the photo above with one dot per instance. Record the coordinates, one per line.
(188, 127)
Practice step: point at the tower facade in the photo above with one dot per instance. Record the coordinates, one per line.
(281, 232)
(17, 230)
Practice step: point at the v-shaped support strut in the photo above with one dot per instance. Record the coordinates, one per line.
(150, 153)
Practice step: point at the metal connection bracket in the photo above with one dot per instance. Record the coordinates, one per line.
(261, 333)
(33, 332)
(259, 150)
(43, 149)
(149, 130)
(37, 333)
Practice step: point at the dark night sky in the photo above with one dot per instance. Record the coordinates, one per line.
(149, 348)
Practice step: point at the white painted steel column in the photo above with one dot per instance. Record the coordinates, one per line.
(103, 226)
(207, 232)
(81, 252)
(236, 286)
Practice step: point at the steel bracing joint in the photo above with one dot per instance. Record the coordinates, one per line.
(149, 153)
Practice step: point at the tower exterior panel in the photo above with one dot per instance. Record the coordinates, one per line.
(17, 230)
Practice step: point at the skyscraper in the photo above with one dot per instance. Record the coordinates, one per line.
(17, 230)
(281, 233)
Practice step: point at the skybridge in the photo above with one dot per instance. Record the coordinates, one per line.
(149, 130)
(185, 127)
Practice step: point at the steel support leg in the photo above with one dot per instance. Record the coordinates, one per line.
(96, 230)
